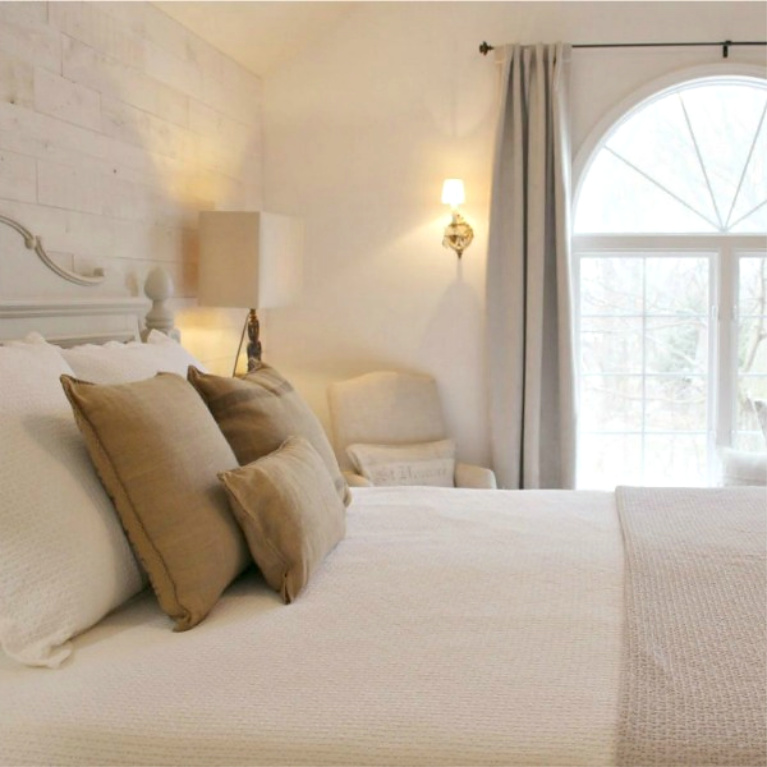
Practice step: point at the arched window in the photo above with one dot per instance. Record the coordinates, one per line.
(671, 273)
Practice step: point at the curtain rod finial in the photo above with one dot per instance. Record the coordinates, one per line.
(485, 48)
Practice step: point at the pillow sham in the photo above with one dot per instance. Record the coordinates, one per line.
(64, 559)
(289, 509)
(427, 463)
(760, 407)
(158, 451)
(258, 412)
(115, 362)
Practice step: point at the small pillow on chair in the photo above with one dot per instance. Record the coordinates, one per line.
(427, 463)
(288, 507)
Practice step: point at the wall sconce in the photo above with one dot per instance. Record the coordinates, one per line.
(458, 234)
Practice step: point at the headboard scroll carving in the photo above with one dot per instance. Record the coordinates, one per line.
(33, 242)
(72, 320)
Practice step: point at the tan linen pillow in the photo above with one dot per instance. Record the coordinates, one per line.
(426, 463)
(290, 512)
(158, 452)
(259, 412)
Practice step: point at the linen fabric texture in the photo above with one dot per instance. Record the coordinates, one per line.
(258, 412)
(158, 451)
(64, 559)
(431, 463)
(290, 511)
(449, 627)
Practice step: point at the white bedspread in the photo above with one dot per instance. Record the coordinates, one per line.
(450, 627)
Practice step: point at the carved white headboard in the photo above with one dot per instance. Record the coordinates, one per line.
(66, 307)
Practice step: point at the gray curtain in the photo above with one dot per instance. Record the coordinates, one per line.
(529, 292)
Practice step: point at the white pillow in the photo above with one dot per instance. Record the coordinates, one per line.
(115, 362)
(427, 463)
(64, 559)
(760, 407)
(742, 468)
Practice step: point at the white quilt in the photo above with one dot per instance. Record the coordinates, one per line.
(451, 627)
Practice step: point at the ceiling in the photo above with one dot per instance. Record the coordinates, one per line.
(259, 35)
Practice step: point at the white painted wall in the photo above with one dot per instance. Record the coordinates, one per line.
(116, 127)
(361, 129)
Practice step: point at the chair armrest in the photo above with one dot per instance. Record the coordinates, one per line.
(467, 475)
(356, 480)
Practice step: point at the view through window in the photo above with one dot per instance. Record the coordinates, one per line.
(671, 274)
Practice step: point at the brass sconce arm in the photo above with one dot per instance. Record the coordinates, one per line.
(458, 234)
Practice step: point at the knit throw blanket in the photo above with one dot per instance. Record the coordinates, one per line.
(694, 678)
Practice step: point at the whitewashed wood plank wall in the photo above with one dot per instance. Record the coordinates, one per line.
(116, 127)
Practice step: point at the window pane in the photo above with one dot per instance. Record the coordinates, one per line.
(750, 388)
(752, 353)
(611, 285)
(646, 376)
(677, 285)
(675, 460)
(611, 403)
(675, 404)
(658, 143)
(615, 198)
(754, 223)
(752, 349)
(613, 459)
(725, 118)
(677, 345)
(753, 190)
(752, 286)
(611, 345)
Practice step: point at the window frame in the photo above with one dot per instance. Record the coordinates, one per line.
(724, 251)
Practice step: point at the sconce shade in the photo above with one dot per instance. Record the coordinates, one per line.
(249, 260)
(453, 193)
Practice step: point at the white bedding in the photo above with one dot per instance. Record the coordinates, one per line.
(450, 627)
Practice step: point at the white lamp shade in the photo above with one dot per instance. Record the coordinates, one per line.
(453, 192)
(249, 260)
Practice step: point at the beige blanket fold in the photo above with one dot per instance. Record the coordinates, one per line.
(694, 677)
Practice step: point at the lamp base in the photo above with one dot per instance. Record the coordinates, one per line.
(254, 345)
(252, 327)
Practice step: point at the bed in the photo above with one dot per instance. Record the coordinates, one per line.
(447, 627)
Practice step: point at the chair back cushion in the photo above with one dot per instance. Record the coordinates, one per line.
(384, 408)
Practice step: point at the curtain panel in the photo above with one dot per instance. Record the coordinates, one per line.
(529, 291)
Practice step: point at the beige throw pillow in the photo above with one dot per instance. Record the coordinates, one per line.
(290, 512)
(427, 463)
(259, 412)
(158, 452)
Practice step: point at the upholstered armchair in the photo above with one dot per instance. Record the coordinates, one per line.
(392, 409)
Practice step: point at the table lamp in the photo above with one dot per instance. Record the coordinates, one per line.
(249, 260)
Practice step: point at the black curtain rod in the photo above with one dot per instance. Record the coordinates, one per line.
(725, 45)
